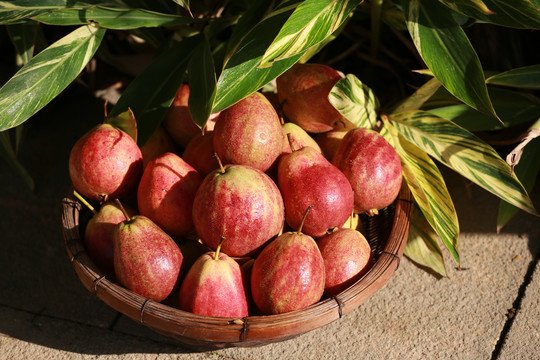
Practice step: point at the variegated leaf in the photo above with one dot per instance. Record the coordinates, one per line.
(241, 75)
(428, 188)
(46, 75)
(522, 14)
(13, 12)
(527, 77)
(422, 246)
(420, 96)
(109, 18)
(513, 107)
(355, 101)
(477, 5)
(310, 23)
(447, 52)
(464, 152)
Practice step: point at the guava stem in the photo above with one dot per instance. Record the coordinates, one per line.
(216, 254)
(219, 162)
(126, 215)
(304, 219)
(83, 200)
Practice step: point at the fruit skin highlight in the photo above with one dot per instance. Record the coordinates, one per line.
(214, 286)
(105, 164)
(249, 133)
(166, 192)
(347, 256)
(306, 178)
(288, 274)
(241, 204)
(373, 168)
(147, 261)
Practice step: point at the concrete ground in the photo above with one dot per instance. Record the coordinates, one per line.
(487, 310)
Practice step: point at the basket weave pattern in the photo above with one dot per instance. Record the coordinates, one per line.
(387, 234)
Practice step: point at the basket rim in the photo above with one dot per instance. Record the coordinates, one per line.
(217, 332)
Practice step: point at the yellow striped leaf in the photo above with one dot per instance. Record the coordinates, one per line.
(46, 75)
(309, 24)
(428, 188)
(422, 245)
(355, 101)
(462, 151)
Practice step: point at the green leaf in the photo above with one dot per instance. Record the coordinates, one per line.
(46, 75)
(477, 5)
(23, 37)
(241, 75)
(6, 151)
(527, 171)
(513, 107)
(462, 151)
(447, 52)
(151, 93)
(355, 101)
(521, 14)
(422, 246)
(126, 122)
(310, 23)
(202, 83)
(428, 188)
(420, 96)
(13, 12)
(109, 18)
(527, 77)
(253, 15)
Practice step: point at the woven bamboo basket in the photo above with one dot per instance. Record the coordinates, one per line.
(386, 232)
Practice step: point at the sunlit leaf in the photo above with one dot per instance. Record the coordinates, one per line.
(527, 77)
(447, 52)
(151, 93)
(46, 75)
(464, 152)
(422, 246)
(428, 188)
(310, 23)
(420, 96)
(355, 101)
(521, 14)
(202, 83)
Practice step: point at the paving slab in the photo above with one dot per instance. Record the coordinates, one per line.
(46, 313)
(523, 341)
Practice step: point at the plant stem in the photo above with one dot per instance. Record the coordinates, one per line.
(83, 200)
(304, 219)
(216, 254)
(126, 215)
(219, 162)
